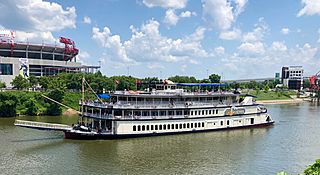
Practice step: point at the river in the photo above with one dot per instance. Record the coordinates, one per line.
(291, 145)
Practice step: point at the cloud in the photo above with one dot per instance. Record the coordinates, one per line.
(230, 35)
(285, 31)
(279, 46)
(187, 14)
(220, 13)
(311, 7)
(171, 18)
(219, 50)
(45, 37)
(148, 45)
(36, 19)
(172, 4)
(252, 48)
(260, 29)
(86, 20)
(155, 66)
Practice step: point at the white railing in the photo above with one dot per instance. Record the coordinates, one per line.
(42, 125)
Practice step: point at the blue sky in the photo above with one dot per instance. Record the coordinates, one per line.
(234, 38)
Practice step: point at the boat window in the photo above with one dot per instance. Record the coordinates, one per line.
(221, 123)
(139, 128)
(155, 127)
(162, 113)
(228, 122)
(195, 112)
(148, 128)
(199, 125)
(168, 126)
(143, 128)
(117, 113)
(252, 121)
(172, 126)
(154, 113)
(203, 124)
(134, 128)
(164, 127)
(202, 112)
(188, 125)
(178, 112)
(191, 125)
(160, 127)
(180, 126)
(170, 112)
(184, 125)
(191, 112)
(216, 111)
(145, 113)
(137, 113)
(206, 112)
(186, 112)
(195, 125)
(209, 112)
(151, 127)
(177, 126)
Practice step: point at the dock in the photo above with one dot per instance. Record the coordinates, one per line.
(42, 125)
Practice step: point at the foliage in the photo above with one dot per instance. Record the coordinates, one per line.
(215, 78)
(33, 81)
(183, 79)
(44, 82)
(313, 169)
(8, 105)
(20, 83)
(32, 107)
(2, 85)
(54, 108)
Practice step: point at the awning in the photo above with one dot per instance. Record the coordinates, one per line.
(104, 95)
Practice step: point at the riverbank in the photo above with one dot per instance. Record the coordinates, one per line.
(283, 101)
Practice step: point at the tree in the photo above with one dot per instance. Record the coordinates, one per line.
(313, 169)
(44, 82)
(266, 88)
(33, 80)
(8, 104)
(2, 85)
(20, 83)
(32, 107)
(214, 78)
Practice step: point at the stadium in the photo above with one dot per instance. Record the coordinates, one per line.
(27, 59)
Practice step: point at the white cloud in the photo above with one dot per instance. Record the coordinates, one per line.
(279, 46)
(86, 20)
(230, 35)
(220, 13)
(148, 45)
(285, 31)
(171, 18)
(155, 66)
(252, 48)
(36, 19)
(194, 61)
(319, 35)
(83, 57)
(45, 37)
(311, 7)
(187, 14)
(173, 4)
(261, 28)
(219, 50)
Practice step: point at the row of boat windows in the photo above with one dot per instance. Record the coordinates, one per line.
(167, 126)
(166, 113)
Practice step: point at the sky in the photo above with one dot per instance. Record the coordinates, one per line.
(237, 39)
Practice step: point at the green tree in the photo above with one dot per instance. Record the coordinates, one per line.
(20, 83)
(54, 108)
(215, 78)
(44, 82)
(313, 169)
(8, 104)
(33, 81)
(2, 85)
(32, 107)
(266, 88)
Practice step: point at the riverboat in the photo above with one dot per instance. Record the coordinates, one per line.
(167, 110)
(161, 110)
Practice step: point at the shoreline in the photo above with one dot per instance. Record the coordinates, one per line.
(284, 101)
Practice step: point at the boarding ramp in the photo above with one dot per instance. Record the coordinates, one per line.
(42, 125)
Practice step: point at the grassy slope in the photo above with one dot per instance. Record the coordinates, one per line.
(271, 95)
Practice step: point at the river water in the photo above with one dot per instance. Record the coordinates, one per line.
(291, 145)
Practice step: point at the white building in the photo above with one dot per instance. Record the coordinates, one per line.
(292, 77)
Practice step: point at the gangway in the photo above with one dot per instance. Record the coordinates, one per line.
(42, 125)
